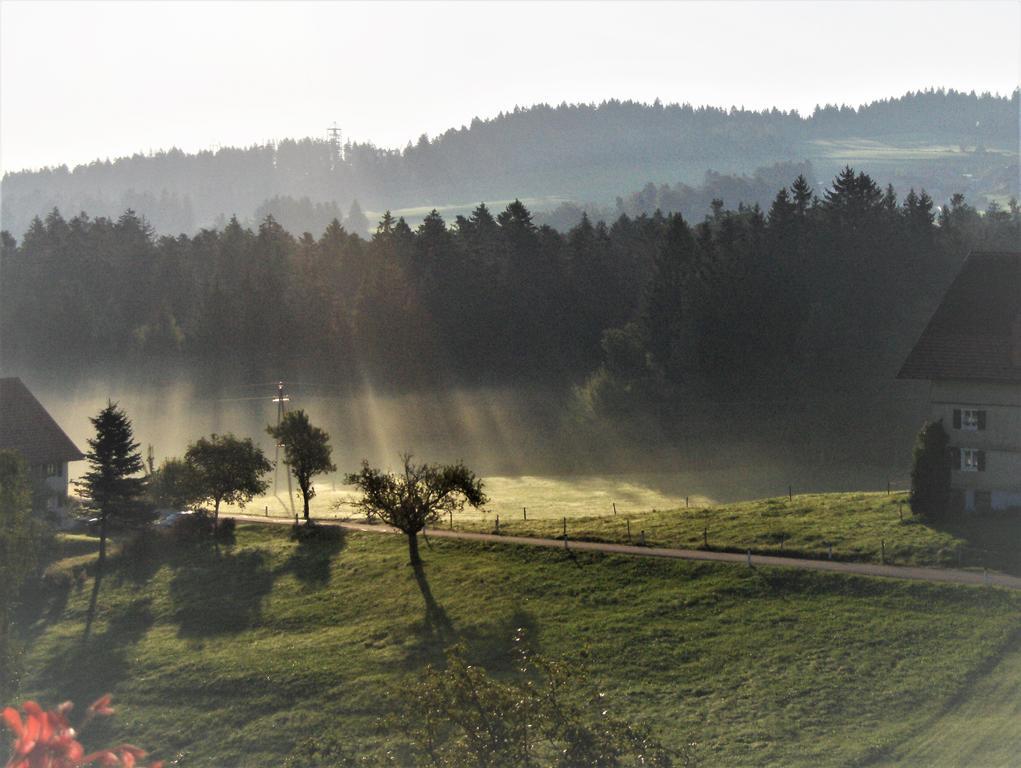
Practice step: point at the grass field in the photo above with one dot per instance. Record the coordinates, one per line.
(243, 654)
(860, 527)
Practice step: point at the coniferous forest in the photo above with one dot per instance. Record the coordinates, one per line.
(944, 140)
(809, 306)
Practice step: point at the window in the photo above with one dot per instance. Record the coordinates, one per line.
(973, 460)
(969, 419)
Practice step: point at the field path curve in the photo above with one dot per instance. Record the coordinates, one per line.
(936, 575)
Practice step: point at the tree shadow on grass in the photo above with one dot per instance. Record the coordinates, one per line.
(218, 593)
(82, 671)
(311, 560)
(491, 644)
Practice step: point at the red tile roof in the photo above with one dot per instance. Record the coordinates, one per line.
(27, 428)
(975, 331)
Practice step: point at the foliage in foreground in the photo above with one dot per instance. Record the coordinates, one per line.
(22, 543)
(459, 715)
(45, 739)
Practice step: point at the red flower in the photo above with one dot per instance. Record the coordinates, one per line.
(45, 739)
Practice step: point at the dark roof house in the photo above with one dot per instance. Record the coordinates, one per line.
(26, 427)
(975, 333)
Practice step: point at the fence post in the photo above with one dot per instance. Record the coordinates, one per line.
(790, 493)
(524, 513)
(829, 550)
(497, 523)
(614, 508)
(565, 533)
(641, 538)
(985, 576)
(882, 551)
(685, 502)
(451, 519)
(267, 510)
(749, 558)
(705, 537)
(782, 536)
(629, 532)
(887, 487)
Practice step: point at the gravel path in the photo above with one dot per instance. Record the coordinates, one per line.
(944, 575)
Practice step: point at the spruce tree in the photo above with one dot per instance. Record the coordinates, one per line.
(111, 488)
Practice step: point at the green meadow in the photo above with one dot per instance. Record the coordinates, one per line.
(246, 653)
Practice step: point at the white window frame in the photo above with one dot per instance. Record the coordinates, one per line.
(969, 459)
(969, 419)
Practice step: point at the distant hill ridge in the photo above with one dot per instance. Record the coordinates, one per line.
(583, 152)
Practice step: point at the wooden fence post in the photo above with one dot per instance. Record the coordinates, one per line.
(629, 532)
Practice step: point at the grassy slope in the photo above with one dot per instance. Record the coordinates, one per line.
(978, 728)
(235, 657)
(857, 524)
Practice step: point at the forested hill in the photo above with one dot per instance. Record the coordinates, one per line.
(944, 141)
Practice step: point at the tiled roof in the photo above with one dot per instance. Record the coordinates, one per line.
(976, 329)
(27, 428)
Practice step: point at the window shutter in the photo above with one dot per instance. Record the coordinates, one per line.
(957, 418)
(981, 419)
(981, 460)
(955, 458)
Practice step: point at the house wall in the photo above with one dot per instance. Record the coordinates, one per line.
(1001, 438)
(56, 484)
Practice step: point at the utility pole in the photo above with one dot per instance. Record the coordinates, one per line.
(281, 399)
(335, 147)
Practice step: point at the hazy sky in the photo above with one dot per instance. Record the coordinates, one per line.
(82, 80)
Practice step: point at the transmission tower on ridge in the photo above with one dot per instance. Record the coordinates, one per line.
(335, 145)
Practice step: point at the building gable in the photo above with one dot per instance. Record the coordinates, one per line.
(26, 427)
(975, 333)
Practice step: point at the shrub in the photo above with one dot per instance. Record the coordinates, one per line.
(930, 472)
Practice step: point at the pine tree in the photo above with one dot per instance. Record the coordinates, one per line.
(110, 487)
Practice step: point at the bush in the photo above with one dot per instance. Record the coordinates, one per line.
(193, 527)
(930, 472)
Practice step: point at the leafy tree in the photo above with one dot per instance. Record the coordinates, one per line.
(930, 472)
(461, 716)
(174, 484)
(307, 451)
(22, 542)
(226, 468)
(110, 487)
(417, 497)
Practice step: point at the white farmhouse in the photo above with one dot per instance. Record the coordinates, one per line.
(27, 428)
(971, 354)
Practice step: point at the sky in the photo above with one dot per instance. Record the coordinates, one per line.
(86, 80)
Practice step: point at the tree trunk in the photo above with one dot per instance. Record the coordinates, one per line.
(216, 513)
(100, 563)
(304, 496)
(413, 549)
